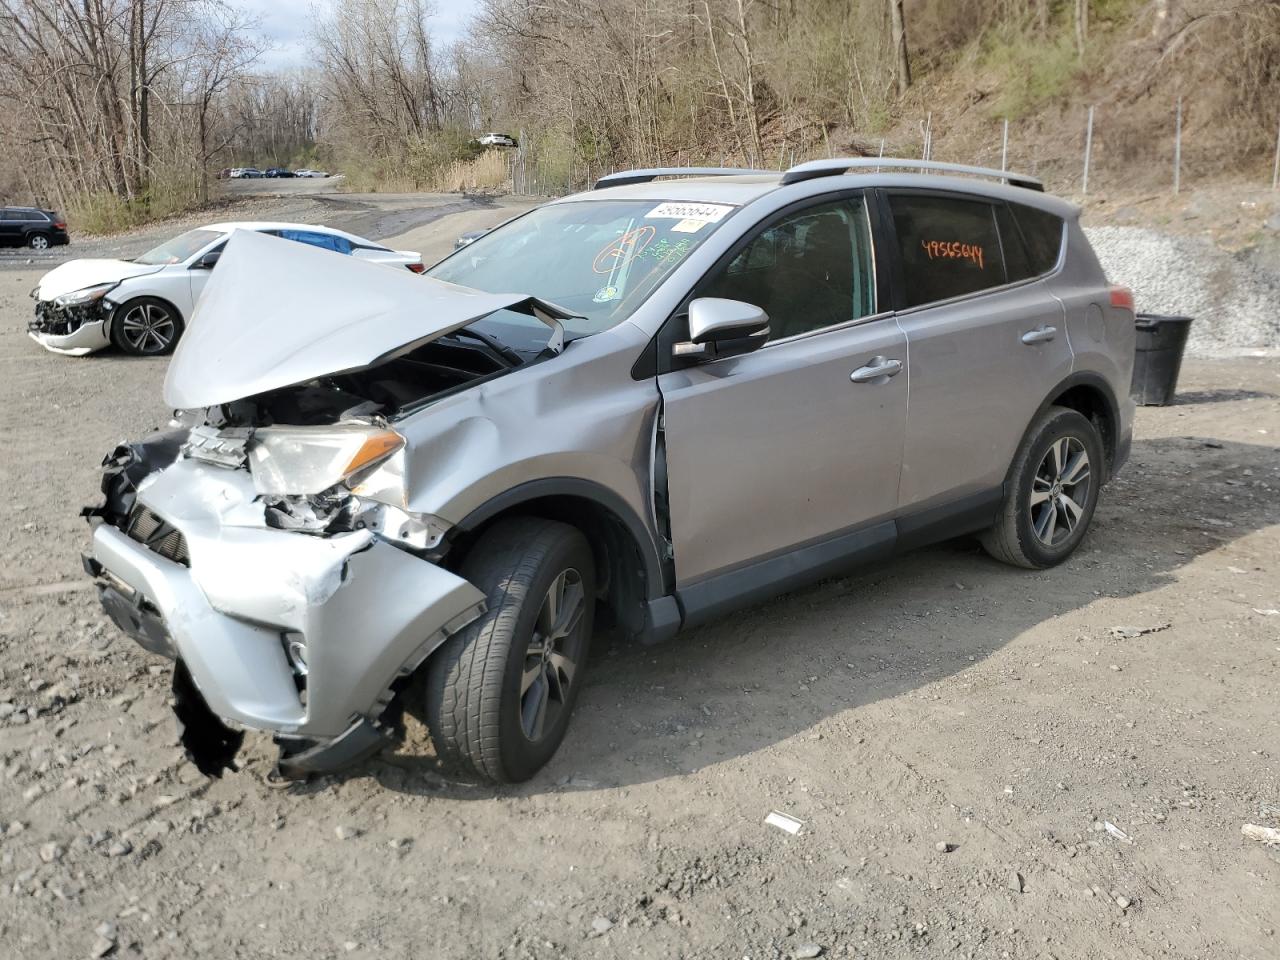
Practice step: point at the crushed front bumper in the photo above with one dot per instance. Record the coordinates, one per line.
(74, 331)
(360, 611)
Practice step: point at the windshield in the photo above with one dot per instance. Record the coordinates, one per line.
(180, 248)
(598, 259)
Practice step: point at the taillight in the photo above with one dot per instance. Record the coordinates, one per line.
(417, 267)
(59, 225)
(1122, 297)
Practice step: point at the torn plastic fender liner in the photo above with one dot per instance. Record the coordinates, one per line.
(208, 742)
(124, 469)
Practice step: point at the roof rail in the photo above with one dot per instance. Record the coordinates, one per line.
(840, 165)
(624, 177)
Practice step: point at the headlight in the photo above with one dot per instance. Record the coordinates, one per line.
(78, 298)
(306, 460)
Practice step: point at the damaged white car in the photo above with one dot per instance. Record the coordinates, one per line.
(381, 491)
(142, 305)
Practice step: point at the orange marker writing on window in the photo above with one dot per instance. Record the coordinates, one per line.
(954, 250)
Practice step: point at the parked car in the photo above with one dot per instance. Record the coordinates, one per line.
(32, 227)
(252, 173)
(306, 172)
(224, 173)
(143, 305)
(469, 237)
(386, 491)
(279, 172)
(496, 140)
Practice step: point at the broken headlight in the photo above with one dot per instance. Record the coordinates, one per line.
(79, 298)
(331, 479)
(310, 460)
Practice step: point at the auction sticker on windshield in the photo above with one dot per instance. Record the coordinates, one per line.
(700, 212)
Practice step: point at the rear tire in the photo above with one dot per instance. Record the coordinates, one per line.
(499, 693)
(1051, 492)
(38, 241)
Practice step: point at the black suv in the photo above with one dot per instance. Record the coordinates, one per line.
(30, 227)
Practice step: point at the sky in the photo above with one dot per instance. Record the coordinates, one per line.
(287, 22)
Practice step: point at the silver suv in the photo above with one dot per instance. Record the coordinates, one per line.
(384, 492)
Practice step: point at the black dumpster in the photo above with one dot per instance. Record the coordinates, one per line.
(1161, 341)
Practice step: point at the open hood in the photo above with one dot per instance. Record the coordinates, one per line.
(277, 313)
(78, 274)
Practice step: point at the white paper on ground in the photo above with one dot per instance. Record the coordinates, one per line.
(784, 821)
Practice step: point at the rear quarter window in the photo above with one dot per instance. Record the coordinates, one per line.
(949, 247)
(1042, 235)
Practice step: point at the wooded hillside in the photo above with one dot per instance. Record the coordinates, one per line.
(125, 107)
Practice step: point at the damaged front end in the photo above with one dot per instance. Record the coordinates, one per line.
(264, 542)
(300, 633)
(74, 324)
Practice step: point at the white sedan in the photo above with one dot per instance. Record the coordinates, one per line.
(143, 305)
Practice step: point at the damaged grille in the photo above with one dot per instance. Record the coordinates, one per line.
(146, 527)
(61, 321)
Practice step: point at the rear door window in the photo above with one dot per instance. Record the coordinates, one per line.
(1017, 258)
(949, 247)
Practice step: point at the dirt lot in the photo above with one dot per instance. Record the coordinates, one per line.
(941, 699)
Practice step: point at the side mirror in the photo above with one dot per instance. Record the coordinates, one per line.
(723, 328)
(208, 261)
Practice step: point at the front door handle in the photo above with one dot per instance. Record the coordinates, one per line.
(879, 370)
(1040, 334)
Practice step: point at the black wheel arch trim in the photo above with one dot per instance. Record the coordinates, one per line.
(602, 496)
(1086, 378)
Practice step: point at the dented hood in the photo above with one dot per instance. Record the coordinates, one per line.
(78, 274)
(276, 313)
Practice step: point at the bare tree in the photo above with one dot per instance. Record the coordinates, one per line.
(898, 27)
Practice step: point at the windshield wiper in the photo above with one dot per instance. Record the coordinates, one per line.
(493, 343)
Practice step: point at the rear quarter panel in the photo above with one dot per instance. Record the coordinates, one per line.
(1102, 336)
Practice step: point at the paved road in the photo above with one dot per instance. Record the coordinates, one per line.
(382, 217)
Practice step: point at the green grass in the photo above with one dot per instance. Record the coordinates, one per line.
(104, 213)
(1034, 72)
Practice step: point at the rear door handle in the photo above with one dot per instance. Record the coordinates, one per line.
(879, 369)
(1040, 334)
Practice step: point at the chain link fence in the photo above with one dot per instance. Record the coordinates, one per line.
(1104, 149)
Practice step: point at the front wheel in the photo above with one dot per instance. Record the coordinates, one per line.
(499, 692)
(146, 327)
(1051, 492)
(38, 241)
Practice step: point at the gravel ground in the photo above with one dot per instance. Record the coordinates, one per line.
(954, 734)
(1234, 296)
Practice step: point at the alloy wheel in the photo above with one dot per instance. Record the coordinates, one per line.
(147, 328)
(551, 658)
(39, 242)
(1060, 491)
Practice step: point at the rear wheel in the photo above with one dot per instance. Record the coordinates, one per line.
(38, 241)
(146, 327)
(499, 693)
(1051, 493)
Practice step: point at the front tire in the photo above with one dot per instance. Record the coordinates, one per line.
(146, 327)
(1051, 492)
(499, 693)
